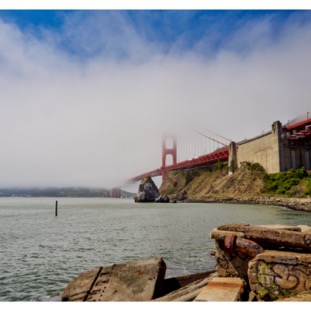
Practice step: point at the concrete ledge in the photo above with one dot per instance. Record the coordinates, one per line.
(222, 289)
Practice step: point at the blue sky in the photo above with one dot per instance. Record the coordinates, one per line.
(166, 30)
(86, 94)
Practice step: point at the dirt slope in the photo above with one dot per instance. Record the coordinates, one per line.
(204, 183)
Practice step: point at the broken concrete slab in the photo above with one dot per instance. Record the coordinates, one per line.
(247, 227)
(298, 298)
(275, 274)
(272, 238)
(78, 289)
(304, 228)
(135, 281)
(189, 291)
(222, 289)
(221, 234)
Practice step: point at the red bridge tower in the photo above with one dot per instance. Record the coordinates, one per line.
(168, 151)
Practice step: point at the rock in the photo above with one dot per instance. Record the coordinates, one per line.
(182, 196)
(147, 192)
(135, 281)
(163, 198)
(275, 274)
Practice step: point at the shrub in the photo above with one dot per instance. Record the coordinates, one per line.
(189, 177)
(170, 191)
(287, 182)
(256, 167)
(218, 166)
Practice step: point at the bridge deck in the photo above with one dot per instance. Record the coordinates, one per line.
(218, 155)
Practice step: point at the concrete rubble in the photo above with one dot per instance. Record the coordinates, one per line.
(253, 263)
(273, 260)
(134, 281)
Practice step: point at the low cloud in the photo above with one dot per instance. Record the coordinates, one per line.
(96, 117)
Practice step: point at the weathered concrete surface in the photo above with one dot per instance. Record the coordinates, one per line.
(298, 298)
(304, 228)
(261, 148)
(272, 238)
(275, 274)
(228, 266)
(222, 289)
(78, 289)
(187, 292)
(147, 191)
(233, 262)
(221, 234)
(135, 281)
(281, 227)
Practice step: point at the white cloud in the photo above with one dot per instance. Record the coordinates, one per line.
(98, 122)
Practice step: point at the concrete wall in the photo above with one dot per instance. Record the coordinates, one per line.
(264, 149)
(274, 151)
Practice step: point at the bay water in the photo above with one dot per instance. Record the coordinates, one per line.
(40, 253)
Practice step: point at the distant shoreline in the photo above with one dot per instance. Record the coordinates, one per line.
(62, 192)
(299, 204)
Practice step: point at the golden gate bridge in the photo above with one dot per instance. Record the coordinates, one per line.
(218, 146)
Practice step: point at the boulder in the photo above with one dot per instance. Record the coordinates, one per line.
(147, 191)
(134, 281)
(163, 198)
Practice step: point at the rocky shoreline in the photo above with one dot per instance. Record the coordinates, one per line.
(299, 204)
(148, 192)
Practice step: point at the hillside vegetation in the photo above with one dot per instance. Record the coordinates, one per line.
(248, 181)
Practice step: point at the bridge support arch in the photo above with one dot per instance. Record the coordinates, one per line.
(168, 151)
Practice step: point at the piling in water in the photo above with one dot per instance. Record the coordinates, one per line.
(56, 206)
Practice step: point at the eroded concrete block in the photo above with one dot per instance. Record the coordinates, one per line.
(274, 274)
(272, 238)
(134, 281)
(78, 288)
(222, 289)
(227, 266)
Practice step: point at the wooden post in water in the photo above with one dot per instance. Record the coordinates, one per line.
(56, 205)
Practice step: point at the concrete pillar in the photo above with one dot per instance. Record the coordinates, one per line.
(233, 161)
(278, 150)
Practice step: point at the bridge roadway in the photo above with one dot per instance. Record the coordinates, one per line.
(295, 131)
(218, 155)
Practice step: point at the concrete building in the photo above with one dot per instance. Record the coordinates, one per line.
(282, 148)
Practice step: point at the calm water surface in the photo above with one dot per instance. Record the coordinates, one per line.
(41, 253)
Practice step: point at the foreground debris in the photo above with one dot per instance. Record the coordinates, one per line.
(274, 261)
(253, 263)
(135, 281)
